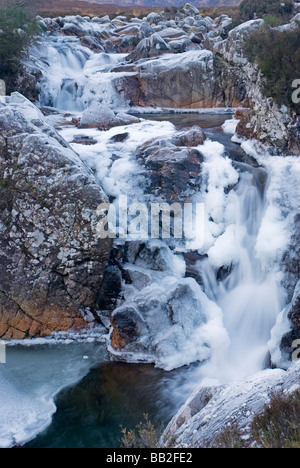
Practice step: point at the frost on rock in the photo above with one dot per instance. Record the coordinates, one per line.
(52, 262)
(199, 422)
(169, 321)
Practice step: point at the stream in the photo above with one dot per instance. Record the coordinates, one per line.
(73, 394)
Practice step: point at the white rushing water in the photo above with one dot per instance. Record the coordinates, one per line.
(225, 323)
(74, 76)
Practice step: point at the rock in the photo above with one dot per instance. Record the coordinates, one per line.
(181, 45)
(267, 122)
(152, 46)
(91, 43)
(154, 18)
(190, 10)
(292, 314)
(71, 29)
(184, 80)
(172, 169)
(84, 140)
(193, 79)
(194, 404)
(145, 30)
(120, 137)
(51, 260)
(127, 325)
(237, 403)
(289, 264)
(192, 137)
(162, 322)
(126, 119)
(232, 48)
(241, 113)
(97, 115)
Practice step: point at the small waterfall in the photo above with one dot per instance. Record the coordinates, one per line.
(249, 295)
(74, 76)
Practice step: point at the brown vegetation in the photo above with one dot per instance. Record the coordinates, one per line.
(54, 8)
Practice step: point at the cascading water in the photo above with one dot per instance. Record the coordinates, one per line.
(250, 296)
(74, 76)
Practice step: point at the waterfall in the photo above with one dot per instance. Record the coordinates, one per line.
(74, 76)
(250, 295)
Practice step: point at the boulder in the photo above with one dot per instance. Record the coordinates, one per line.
(51, 260)
(97, 115)
(154, 18)
(152, 46)
(292, 314)
(185, 80)
(222, 408)
(190, 10)
(71, 29)
(173, 167)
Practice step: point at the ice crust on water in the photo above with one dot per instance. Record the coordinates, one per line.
(30, 380)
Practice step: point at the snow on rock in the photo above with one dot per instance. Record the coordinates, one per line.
(201, 419)
(96, 115)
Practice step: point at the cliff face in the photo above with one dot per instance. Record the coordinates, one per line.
(266, 121)
(51, 260)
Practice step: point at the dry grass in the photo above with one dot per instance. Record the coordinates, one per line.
(54, 8)
(278, 426)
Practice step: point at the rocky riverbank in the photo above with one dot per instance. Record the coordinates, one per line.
(84, 142)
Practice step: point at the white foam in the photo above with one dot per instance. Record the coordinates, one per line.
(229, 126)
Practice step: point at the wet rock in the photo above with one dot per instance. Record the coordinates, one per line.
(51, 259)
(192, 137)
(173, 169)
(127, 325)
(120, 137)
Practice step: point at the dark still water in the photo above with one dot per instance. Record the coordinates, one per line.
(90, 414)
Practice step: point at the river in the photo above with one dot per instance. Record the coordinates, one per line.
(73, 394)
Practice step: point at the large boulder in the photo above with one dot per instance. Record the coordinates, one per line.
(51, 259)
(191, 79)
